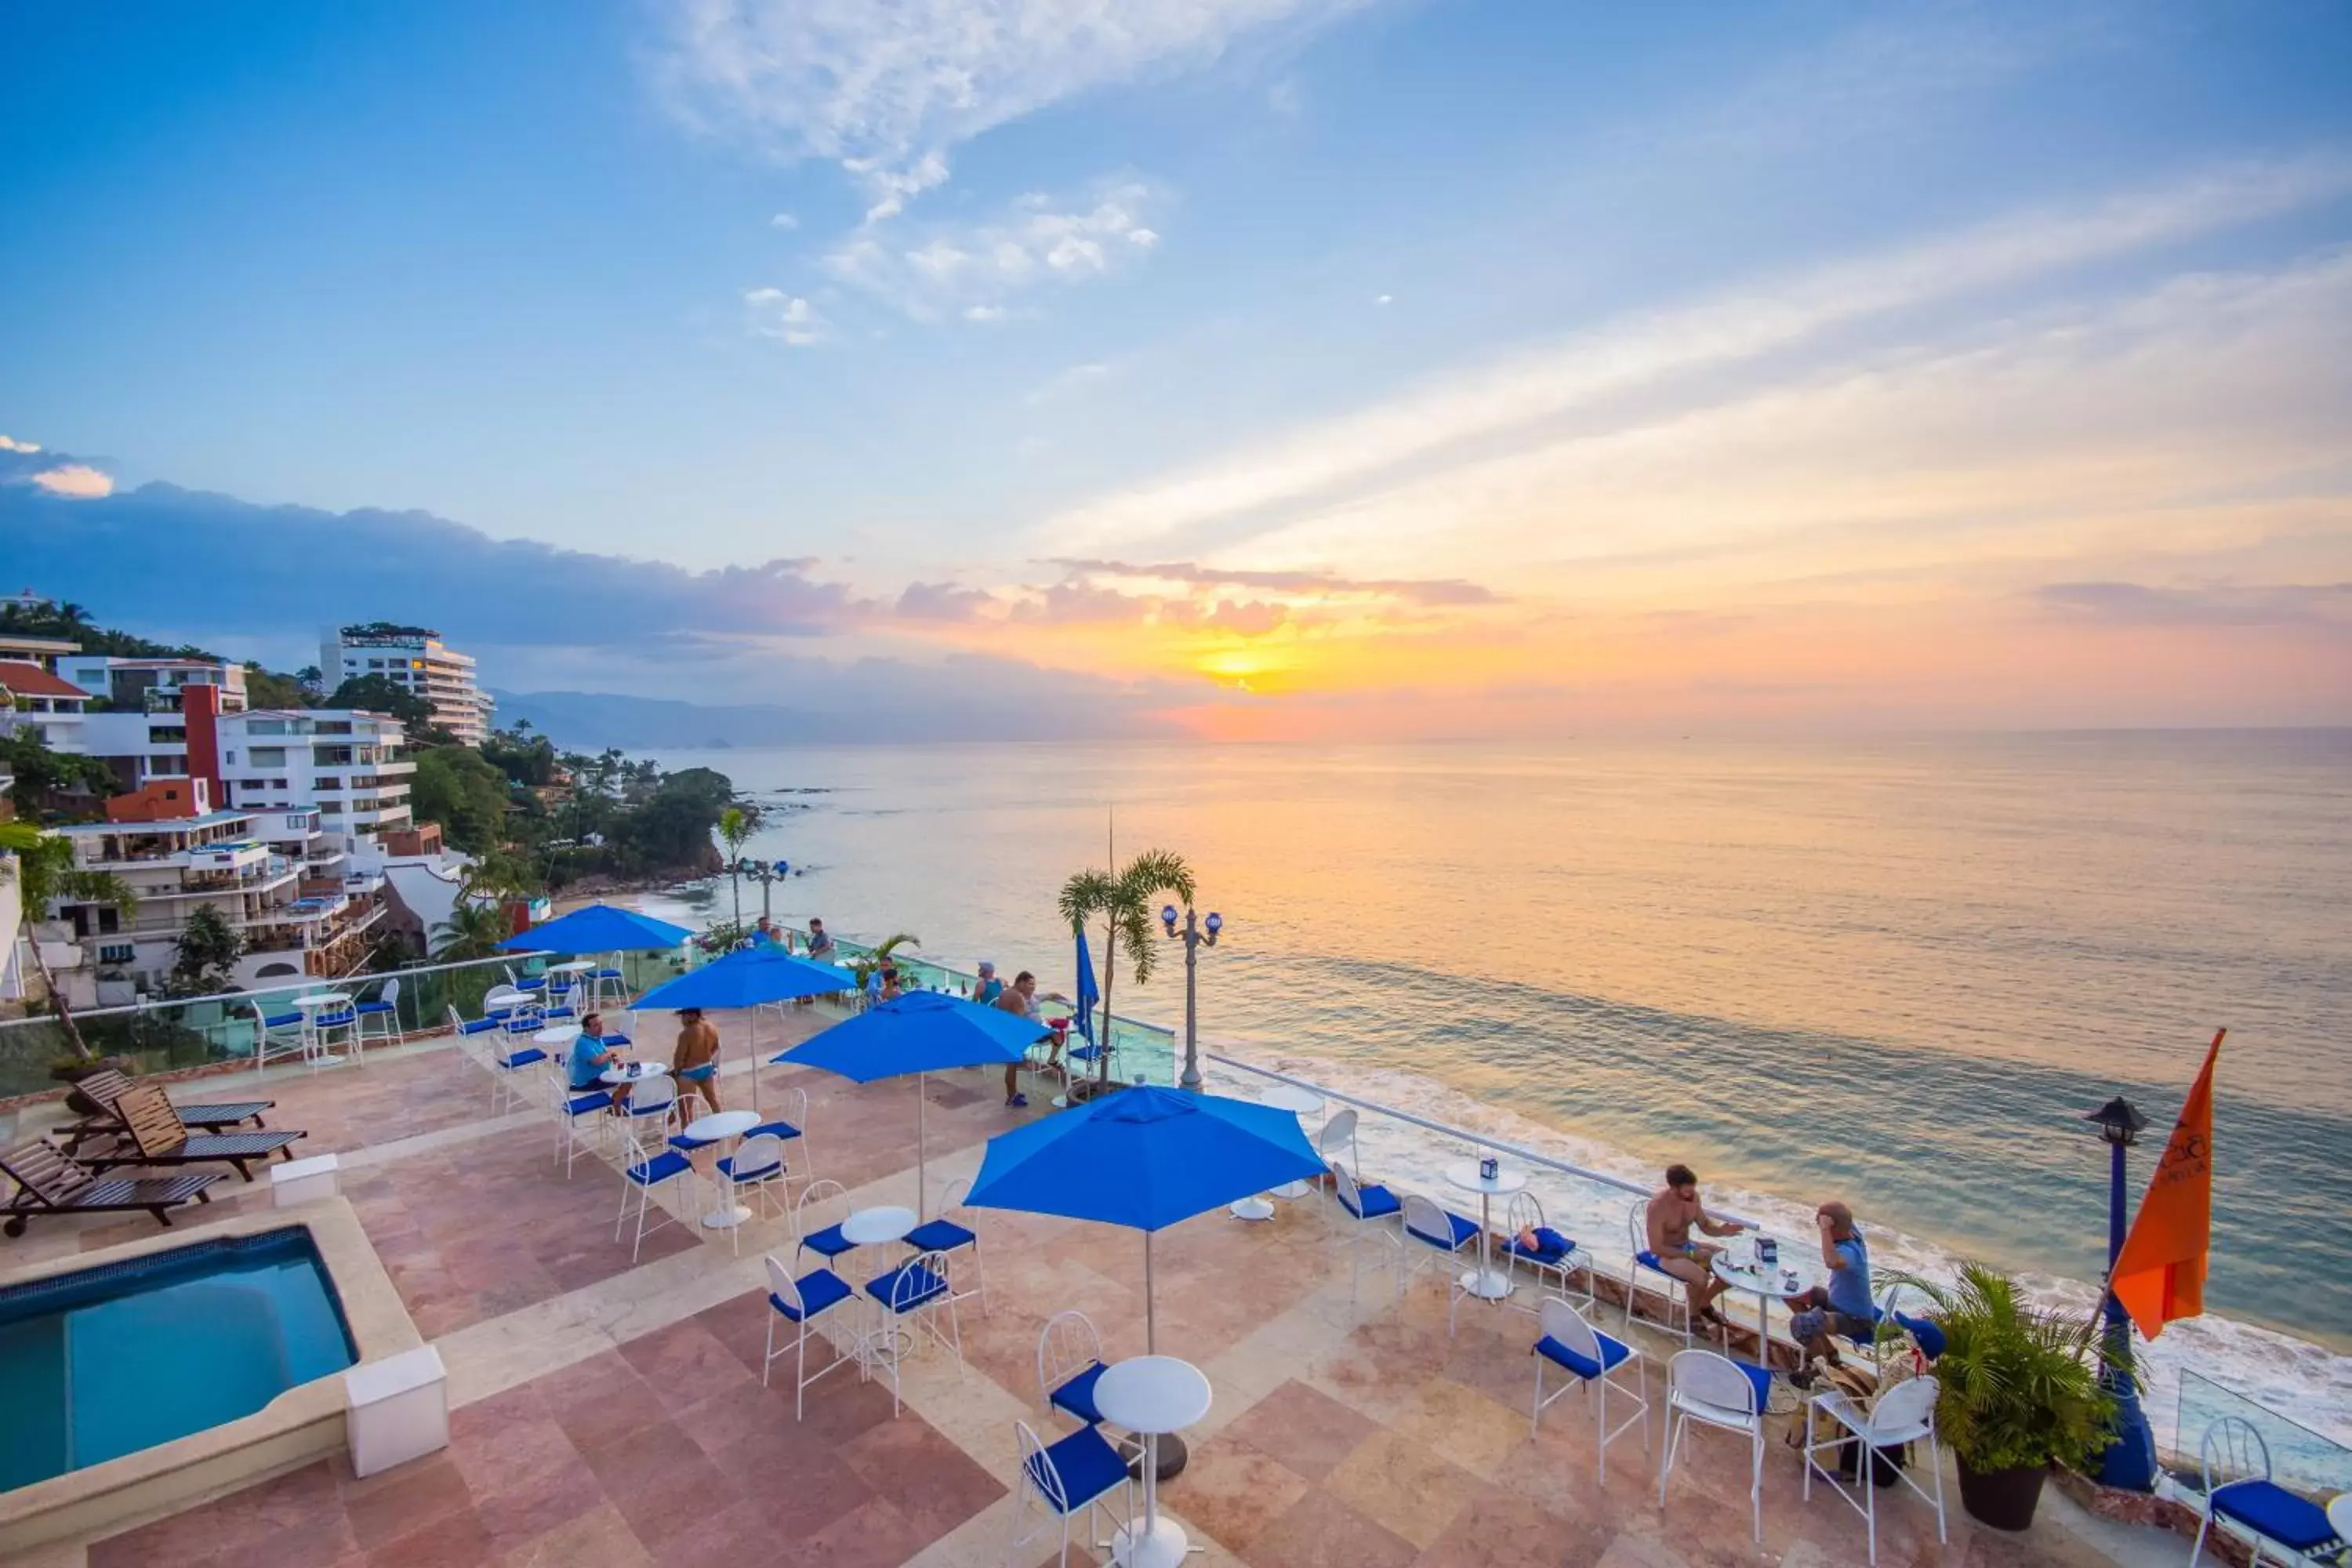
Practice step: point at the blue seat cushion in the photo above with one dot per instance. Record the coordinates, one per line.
(559, 1012)
(1761, 1377)
(1550, 1246)
(479, 1027)
(1077, 1395)
(282, 1021)
(534, 983)
(921, 1285)
(1376, 1201)
(607, 973)
(1612, 1353)
(582, 1101)
(612, 1039)
(1459, 1230)
(819, 1289)
(829, 1241)
(1085, 1466)
(2270, 1510)
(328, 1020)
(759, 1174)
(660, 1168)
(940, 1235)
(775, 1130)
(375, 1007)
(523, 1058)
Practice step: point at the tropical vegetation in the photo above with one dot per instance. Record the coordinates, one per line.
(207, 948)
(2019, 1385)
(1122, 900)
(43, 866)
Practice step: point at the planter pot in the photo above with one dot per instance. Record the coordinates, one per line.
(2005, 1499)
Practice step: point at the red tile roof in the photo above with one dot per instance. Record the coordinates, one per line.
(32, 680)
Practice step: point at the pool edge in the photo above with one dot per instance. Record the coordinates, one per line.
(303, 1424)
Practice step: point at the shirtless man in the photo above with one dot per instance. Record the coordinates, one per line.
(1674, 1209)
(1020, 999)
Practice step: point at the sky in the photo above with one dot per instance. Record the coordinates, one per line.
(1247, 369)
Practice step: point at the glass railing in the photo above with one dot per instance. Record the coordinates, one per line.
(2301, 1460)
(1140, 1052)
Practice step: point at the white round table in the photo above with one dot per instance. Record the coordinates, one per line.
(1483, 1281)
(2339, 1515)
(634, 1072)
(711, 1129)
(313, 1000)
(1152, 1395)
(1796, 1270)
(558, 1035)
(1299, 1102)
(879, 1227)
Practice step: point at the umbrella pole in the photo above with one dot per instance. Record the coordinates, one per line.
(922, 1176)
(1151, 1321)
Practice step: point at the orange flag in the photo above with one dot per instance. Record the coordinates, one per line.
(2160, 1273)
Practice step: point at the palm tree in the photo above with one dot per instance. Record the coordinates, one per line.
(883, 950)
(42, 866)
(473, 930)
(735, 829)
(1123, 899)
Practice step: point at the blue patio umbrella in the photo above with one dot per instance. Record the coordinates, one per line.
(1145, 1158)
(746, 978)
(599, 928)
(1089, 993)
(918, 1033)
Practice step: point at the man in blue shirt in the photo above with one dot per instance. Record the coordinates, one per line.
(590, 1057)
(1844, 1307)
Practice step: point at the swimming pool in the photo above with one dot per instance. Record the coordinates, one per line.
(109, 1361)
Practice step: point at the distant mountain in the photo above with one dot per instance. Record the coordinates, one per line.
(590, 722)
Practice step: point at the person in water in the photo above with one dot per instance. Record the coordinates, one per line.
(1674, 1212)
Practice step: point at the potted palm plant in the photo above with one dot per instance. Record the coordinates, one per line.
(2018, 1392)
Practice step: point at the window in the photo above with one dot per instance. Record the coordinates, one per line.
(268, 756)
(117, 952)
(167, 734)
(229, 757)
(265, 726)
(375, 664)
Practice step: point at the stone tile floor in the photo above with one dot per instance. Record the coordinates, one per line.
(606, 1413)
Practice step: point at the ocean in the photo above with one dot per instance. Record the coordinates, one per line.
(1895, 972)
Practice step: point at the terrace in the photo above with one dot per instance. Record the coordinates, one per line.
(611, 1412)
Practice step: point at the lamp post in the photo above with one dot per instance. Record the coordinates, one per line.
(766, 873)
(2129, 1463)
(1195, 935)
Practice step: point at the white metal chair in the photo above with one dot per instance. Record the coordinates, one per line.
(278, 1036)
(1071, 1478)
(1370, 1216)
(580, 1119)
(508, 1064)
(788, 1120)
(1716, 1390)
(911, 1297)
(1554, 1257)
(1339, 1137)
(1442, 1235)
(1595, 1361)
(1904, 1414)
(1676, 1293)
(753, 1175)
(1069, 1361)
(800, 1302)
(502, 1000)
(333, 1029)
(2242, 1501)
(957, 1241)
(816, 1221)
(653, 1104)
(642, 1170)
(384, 1011)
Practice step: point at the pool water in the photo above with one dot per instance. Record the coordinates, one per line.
(109, 1361)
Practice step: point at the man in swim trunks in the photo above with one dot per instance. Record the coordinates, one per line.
(1675, 1208)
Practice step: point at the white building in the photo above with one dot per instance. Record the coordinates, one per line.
(152, 685)
(48, 704)
(277, 880)
(414, 657)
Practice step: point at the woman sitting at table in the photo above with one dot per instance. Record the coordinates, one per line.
(695, 1062)
(590, 1057)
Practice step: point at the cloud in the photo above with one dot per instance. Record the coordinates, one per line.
(887, 90)
(75, 481)
(2136, 604)
(941, 602)
(1253, 618)
(10, 444)
(786, 318)
(1638, 353)
(1429, 591)
(1038, 241)
(1383, 299)
(1065, 382)
(783, 220)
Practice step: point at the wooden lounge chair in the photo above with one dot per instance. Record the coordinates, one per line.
(105, 1087)
(154, 1134)
(49, 1181)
